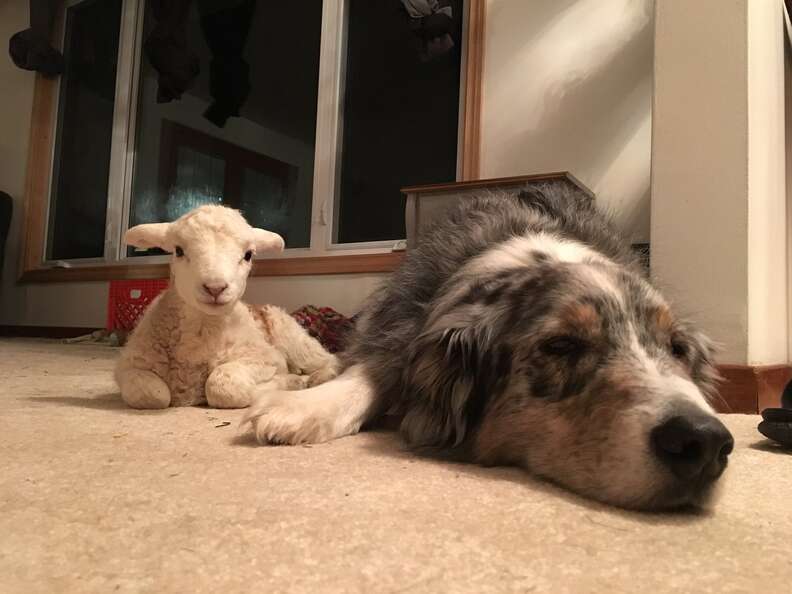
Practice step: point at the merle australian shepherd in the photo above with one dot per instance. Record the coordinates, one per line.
(522, 331)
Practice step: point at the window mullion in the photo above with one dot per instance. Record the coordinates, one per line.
(327, 155)
(123, 131)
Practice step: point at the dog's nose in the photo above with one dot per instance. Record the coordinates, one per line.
(693, 446)
(215, 290)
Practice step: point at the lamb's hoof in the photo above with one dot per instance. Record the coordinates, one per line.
(287, 418)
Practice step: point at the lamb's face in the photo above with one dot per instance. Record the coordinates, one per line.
(213, 249)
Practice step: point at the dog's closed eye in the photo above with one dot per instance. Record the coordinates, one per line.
(564, 346)
(679, 348)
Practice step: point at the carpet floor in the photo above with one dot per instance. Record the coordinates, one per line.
(95, 497)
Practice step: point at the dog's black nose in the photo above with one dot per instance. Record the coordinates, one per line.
(693, 446)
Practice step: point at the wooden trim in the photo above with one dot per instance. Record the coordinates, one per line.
(39, 160)
(44, 331)
(345, 264)
(750, 389)
(474, 69)
(497, 181)
(362, 263)
(39, 168)
(95, 273)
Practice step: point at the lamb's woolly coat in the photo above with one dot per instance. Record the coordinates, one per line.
(188, 349)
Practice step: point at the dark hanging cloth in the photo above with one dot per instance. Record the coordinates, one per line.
(226, 31)
(30, 49)
(432, 22)
(167, 50)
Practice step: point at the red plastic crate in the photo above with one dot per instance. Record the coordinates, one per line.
(128, 300)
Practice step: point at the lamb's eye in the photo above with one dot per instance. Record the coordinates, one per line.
(179, 251)
(564, 346)
(248, 255)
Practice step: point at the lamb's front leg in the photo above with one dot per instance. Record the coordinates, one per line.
(230, 385)
(141, 388)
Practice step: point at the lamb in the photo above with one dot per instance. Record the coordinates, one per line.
(198, 342)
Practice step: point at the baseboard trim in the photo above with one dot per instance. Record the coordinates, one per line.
(751, 388)
(43, 331)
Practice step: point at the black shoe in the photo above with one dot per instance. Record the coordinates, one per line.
(777, 425)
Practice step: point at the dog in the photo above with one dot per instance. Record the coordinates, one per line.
(522, 330)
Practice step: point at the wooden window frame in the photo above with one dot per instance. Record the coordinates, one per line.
(32, 267)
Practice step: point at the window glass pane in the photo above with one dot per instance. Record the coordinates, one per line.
(85, 116)
(401, 108)
(228, 115)
(199, 180)
(268, 200)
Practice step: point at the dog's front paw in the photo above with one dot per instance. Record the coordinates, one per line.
(288, 418)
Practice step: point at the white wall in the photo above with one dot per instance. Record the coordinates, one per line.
(568, 86)
(719, 202)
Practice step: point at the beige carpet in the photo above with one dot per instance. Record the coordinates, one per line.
(95, 497)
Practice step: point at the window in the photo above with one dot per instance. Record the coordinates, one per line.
(401, 117)
(83, 144)
(192, 150)
(309, 117)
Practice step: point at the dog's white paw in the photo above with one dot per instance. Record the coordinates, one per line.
(290, 418)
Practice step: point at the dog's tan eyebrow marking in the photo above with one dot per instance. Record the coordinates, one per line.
(663, 318)
(583, 316)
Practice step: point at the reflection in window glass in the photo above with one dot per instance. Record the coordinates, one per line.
(199, 180)
(268, 200)
(85, 116)
(258, 60)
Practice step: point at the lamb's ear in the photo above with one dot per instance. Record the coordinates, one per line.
(267, 241)
(150, 235)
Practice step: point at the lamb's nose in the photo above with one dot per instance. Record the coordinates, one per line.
(215, 290)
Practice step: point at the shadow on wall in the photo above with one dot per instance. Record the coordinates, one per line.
(568, 85)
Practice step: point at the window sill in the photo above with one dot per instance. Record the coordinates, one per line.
(350, 264)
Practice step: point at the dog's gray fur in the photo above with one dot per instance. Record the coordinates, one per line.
(522, 331)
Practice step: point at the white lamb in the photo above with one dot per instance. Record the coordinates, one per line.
(197, 342)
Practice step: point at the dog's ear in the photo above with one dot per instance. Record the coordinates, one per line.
(454, 370)
(703, 369)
